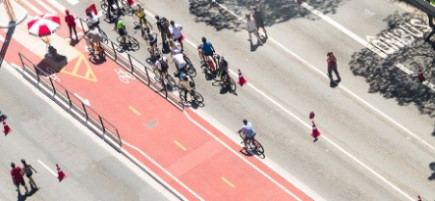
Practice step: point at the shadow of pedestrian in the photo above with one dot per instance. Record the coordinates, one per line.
(7, 41)
(254, 47)
(21, 197)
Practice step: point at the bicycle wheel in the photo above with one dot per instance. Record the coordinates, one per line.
(258, 147)
(197, 97)
(191, 71)
(157, 75)
(134, 43)
(103, 5)
(104, 37)
(232, 84)
(171, 81)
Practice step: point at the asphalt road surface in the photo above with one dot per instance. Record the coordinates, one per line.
(44, 135)
(377, 125)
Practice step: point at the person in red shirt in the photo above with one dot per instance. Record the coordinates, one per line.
(70, 21)
(332, 66)
(17, 177)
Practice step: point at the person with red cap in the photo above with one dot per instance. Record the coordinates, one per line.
(70, 21)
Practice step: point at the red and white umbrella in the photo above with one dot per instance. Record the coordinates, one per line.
(43, 25)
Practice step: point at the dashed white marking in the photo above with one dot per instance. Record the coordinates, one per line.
(73, 2)
(58, 6)
(46, 167)
(2, 39)
(48, 8)
(32, 7)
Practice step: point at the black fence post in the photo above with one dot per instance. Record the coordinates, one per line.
(52, 85)
(69, 98)
(102, 124)
(86, 112)
(148, 76)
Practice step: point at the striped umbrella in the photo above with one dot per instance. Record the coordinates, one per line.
(43, 25)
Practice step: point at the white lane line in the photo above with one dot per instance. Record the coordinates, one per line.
(48, 8)
(32, 7)
(46, 167)
(2, 39)
(163, 169)
(243, 158)
(356, 97)
(58, 6)
(73, 2)
(345, 30)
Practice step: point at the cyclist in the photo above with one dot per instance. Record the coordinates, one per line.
(163, 26)
(175, 47)
(92, 20)
(161, 65)
(206, 49)
(180, 63)
(223, 66)
(248, 131)
(140, 13)
(122, 30)
(185, 85)
(176, 33)
(151, 37)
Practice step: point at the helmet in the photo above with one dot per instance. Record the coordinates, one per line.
(183, 75)
(119, 24)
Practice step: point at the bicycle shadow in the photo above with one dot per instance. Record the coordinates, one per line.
(252, 152)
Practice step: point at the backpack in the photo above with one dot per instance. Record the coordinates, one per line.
(164, 65)
(164, 23)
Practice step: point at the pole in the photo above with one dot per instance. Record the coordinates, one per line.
(9, 10)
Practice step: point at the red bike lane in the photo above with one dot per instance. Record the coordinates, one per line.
(185, 150)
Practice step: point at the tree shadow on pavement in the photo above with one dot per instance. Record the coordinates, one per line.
(275, 11)
(384, 77)
(432, 167)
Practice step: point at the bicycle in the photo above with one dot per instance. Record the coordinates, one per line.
(209, 67)
(167, 78)
(195, 96)
(129, 42)
(226, 82)
(252, 144)
(96, 51)
(190, 68)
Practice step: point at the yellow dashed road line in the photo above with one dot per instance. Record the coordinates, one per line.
(225, 180)
(134, 110)
(180, 145)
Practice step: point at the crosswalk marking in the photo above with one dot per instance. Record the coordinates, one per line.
(29, 5)
(40, 2)
(73, 2)
(57, 5)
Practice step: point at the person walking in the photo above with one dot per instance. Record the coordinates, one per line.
(252, 28)
(176, 33)
(332, 66)
(70, 21)
(110, 4)
(28, 170)
(259, 19)
(17, 177)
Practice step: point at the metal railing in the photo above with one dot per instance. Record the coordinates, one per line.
(141, 71)
(71, 103)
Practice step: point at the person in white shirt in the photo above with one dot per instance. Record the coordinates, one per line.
(180, 62)
(252, 28)
(176, 32)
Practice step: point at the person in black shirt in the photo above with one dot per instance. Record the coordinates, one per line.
(259, 19)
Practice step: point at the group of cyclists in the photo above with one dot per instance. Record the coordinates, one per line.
(172, 37)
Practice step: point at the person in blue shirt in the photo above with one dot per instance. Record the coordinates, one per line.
(206, 49)
(248, 131)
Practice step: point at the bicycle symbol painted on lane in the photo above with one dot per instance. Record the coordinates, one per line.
(124, 76)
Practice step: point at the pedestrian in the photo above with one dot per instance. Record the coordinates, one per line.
(2, 116)
(252, 28)
(259, 19)
(176, 33)
(70, 21)
(92, 20)
(332, 66)
(17, 177)
(28, 170)
(110, 4)
(163, 26)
